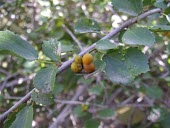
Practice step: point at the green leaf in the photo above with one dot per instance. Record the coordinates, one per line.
(18, 3)
(45, 79)
(1, 97)
(13, 43)
(105, 45)
(106, 113)
(168, 52)
(52, 49)
(160, 4)
(138, 36)
(124, 113)
(97, 90)
(43, 99)
(23, 118)
(167, 11)
(159, 28)
(154, 92)
(166, 121)
(92, 123)
(85, 25)
(155, 110)
(79, 113)
(167, 79)
(58, 33)
(12, 116)
(66, 48)
(67, 82)
(58, 88)
(122, 66)
(148, 2)
(99, 65)
(131, 7)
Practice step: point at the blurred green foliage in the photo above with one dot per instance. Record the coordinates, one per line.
(40, 20)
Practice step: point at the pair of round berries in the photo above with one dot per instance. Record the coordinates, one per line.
(85, 62)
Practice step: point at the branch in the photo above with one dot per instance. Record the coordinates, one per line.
(72, 102)
(127, 100)
(5, 81)
(66, 64)
(135, 105)
(113, 96)
(25, 98)
(15, 82)
(75, 102)
(3, 71)
(73, 37)
(66, 111)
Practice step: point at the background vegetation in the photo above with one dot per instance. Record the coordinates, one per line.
(130, 87)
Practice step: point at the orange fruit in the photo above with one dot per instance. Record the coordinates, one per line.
(89, 67)
(87, 59)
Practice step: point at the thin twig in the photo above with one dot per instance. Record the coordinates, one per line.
(34, 15)
(148, 124)
(5, 81)
(73, 37)
(127, 100)
(66, 64)
(136, 105)
(15, 82)
(66, 111)
(3, 71)
(12, 98)
(25, 98)
(114, 95)
(74, 102)
(70, 102)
